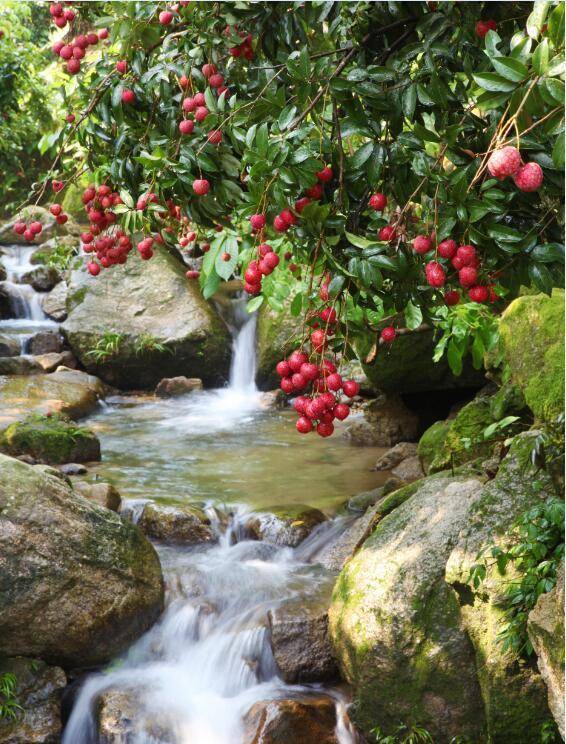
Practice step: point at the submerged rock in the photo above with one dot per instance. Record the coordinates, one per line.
(169, 387)
(546, 633)
(50, 439)
(121, 719)
(70, 392)
(284, 525)
(300, 643)
(142, 322)
(38, 690)
(77, 583)
(183, 524)
(302, 720)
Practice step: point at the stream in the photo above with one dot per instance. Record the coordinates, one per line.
(197, 672)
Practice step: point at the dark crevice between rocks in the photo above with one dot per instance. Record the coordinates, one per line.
(436, 405)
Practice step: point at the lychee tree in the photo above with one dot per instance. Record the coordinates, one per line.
(382, 167)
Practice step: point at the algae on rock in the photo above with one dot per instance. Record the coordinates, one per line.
(50, 439)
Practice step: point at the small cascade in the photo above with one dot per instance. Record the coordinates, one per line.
(27, 316)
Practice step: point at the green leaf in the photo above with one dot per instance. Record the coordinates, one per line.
(505, 234)
(358, 241)
(361, 155)
(490, 101)
(541, 278)
(409, 100)
(558, 152)
(297, 305)
(425, 134)
(556, 25)
(336, 284)
(541, 57)
(493, 82)
(454, 355)
(211, 284)
(255, 303)
(510, 69)
(286, 117)
(225, 269)
(413, 316)
(117, 96)
(556, 89)
(535, 21)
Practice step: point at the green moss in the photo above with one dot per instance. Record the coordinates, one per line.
(50, 439)
(464, 439)
(507, 401)
(432, 442)
(532, 340)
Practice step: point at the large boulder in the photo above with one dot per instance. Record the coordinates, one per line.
(9, 346)
(66, 391)
(37, 692)
(395, 623)
(386, 421)
(170, 387)
(407, 365)
(45, 342)
(140, 322)
(546, 633)
(42, 278)
(301, 720)
(532, 342)
(55, 302)
(40, 214)
(175, 524)
(50, 439)
(77, 583)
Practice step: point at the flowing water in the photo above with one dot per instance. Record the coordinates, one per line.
(194, 675)
(27, 316)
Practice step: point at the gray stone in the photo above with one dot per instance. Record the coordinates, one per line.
(103, 494)
(184, 524)
(45, 342)
(386, 421)
(34, 213)
(172, 386)
(42, 278)
(286, 525)
(20, 365)
(303, 719)
(72, 468)
(55, 303)
(396, 455)
(409, 469)
(9, 346)
(51, 362)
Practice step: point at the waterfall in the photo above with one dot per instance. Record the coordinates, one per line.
(244, 364)
(25, 302)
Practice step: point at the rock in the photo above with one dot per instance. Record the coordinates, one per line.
(19, 365)
(39, 214)
(69, 392)
(362, 501)
(508, 401)
(186, 524)
(172, 386)
(396, 455)
(515, 698)
(77, 583)
(42, 278)
(408, 366)
(9, 346)
(301, 720)
(276, 336)
(464, 439)
(284, 525)
(431, 443)
(45, 342)
(57, 244)
(394, 623)
(52, 362)
(158, 323)
(72, 468)
(299, 641)
(546, 633)
(121, 719)
(386, 421)
(103, 494)
(532, 342)
(54, 304)
(38, 691)
(3, 272)
(50, 440)
(353, 370)
(273, 399)
(409, 470)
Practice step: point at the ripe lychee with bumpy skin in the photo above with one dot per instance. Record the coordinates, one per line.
(447, 248)
(388, 334)
(504, 162)
(378, 202)
(387, 233)
(529, 177)
(201, 186)
(422, 244)
(468, 276)
(479, 293)
(435, 274)
(257, 221)
(452, 298)
(128, 96)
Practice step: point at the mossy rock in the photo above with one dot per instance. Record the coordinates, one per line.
(278, 334)
(532, 343)
(50, 439)
(432, 442)
(508, 401)
(464, 438)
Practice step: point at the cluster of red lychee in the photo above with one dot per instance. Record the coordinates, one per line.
(75, 50)
(482, 27)
(263, 265)
(507, 161)
(61, 16)
(28, 231)
(244, 49)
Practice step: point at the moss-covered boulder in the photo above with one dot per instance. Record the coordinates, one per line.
(407, 366)
(546, 633)
(50, 439)
(188, 525)
(463, 440)
(513, 693)
(395, 624)
(432, 442)
(278, 333)
(66, 391)
(34, 213)
(78, 584)
(140, 322)
(532, 343)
